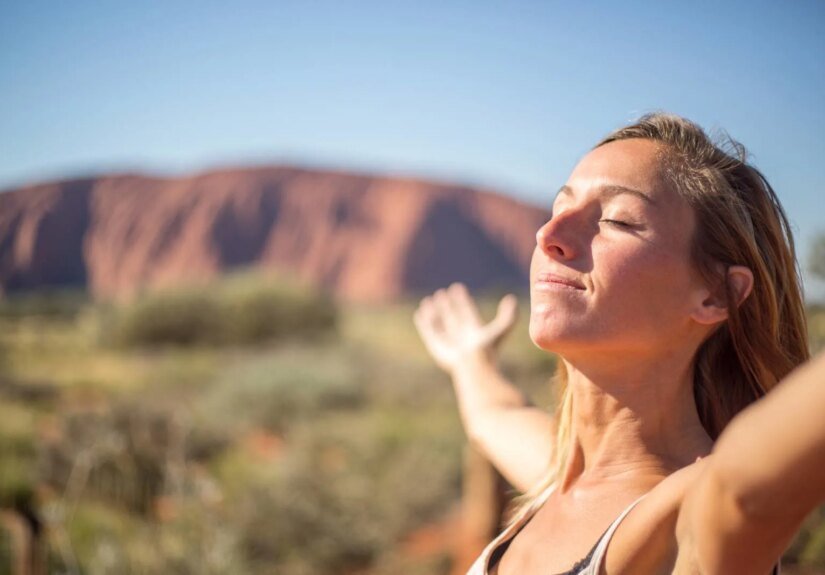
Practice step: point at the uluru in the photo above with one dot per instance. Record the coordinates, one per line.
(360, 237)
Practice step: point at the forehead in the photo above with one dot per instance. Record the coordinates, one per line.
(634, 163)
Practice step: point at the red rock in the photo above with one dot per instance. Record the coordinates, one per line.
(358, 236)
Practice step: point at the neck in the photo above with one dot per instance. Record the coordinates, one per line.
(629, 422)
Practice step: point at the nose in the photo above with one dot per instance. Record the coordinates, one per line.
(555, 237)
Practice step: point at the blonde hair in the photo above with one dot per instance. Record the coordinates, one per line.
(739, 221)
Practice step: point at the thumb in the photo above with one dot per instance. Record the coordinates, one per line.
(505, 318)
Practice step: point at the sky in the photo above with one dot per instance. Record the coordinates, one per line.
(507, 95)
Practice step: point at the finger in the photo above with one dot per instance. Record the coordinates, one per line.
(422, 323)
(429, 329)
(445, 311)
(429, 317)
(463, 304)
(452, 298)
(505, 319)
(432, 335)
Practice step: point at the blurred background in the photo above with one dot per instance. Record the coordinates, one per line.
(217, 219)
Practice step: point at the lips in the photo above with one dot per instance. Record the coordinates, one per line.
(549, 281)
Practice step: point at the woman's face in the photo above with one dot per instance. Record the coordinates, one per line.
(612, 268)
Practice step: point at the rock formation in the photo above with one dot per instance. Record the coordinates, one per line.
(360, 237)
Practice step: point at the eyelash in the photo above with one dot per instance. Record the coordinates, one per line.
(618, 223)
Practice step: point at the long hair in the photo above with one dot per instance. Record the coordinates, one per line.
(739, 221)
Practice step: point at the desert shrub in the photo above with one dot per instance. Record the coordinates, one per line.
(99, 539)
(351, 486)
(236, 311)
(33, 393)
(126, 500)
(18, 456)
(816, 327)
(277, 389)
(17, 479)
(260, 309)
(181, 317)
(397, 381)
(392, 563)
(52, 304)
(125, 455)
(808, 547)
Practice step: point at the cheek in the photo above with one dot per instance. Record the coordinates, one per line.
(650, 281)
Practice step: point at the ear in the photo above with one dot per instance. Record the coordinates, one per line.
(713, 307)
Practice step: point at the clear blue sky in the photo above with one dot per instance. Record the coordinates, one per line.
(506, 94)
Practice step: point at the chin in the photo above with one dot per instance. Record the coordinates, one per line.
(554, 335)
(546, 339)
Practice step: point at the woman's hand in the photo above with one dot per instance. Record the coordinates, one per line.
(452, 330)
(516, 436)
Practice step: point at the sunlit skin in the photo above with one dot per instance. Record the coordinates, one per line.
(626, 310)
(627, 329)
(614, 292)
(629, 335)
(631, 255)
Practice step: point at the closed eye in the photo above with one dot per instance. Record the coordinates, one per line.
(618, 223)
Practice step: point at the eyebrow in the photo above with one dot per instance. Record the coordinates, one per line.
(611, 191)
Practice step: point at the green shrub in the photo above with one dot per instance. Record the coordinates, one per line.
(18, 455)
(107, 541)
(125, 455)
(816, 327)
(258, 309)
(170, 318)
(273, 391)
(236, 311)
(351, 486)
(52, 304)
(808, 547)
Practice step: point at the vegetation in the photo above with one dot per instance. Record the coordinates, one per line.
(251, 427)
(54, 305)
(817, 257)
(248, 428)
(244, 310)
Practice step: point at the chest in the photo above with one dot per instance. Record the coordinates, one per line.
(559, 535)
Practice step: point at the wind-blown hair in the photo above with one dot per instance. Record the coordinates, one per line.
(739, 221)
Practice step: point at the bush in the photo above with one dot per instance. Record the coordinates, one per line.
(197, 541)
(273, 391)
(52, 304)
(169, 318)
(816, 327)
(808, 547)
(351, 486)
(236, 311)
(126, 455)
(258, 310)
(18, 455)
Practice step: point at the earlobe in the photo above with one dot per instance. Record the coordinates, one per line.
(713, 306)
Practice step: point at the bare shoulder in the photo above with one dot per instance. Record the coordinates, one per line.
(645, 542)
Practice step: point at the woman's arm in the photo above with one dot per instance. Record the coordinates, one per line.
(516, 436)
(766, 473)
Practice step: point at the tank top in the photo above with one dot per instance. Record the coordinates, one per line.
(589, 565)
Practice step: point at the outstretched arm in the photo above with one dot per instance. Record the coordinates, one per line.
(766, 473)
(499, 419)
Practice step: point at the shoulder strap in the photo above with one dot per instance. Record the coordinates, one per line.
(601, 547)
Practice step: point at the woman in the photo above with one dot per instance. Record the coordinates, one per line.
(666, 282)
